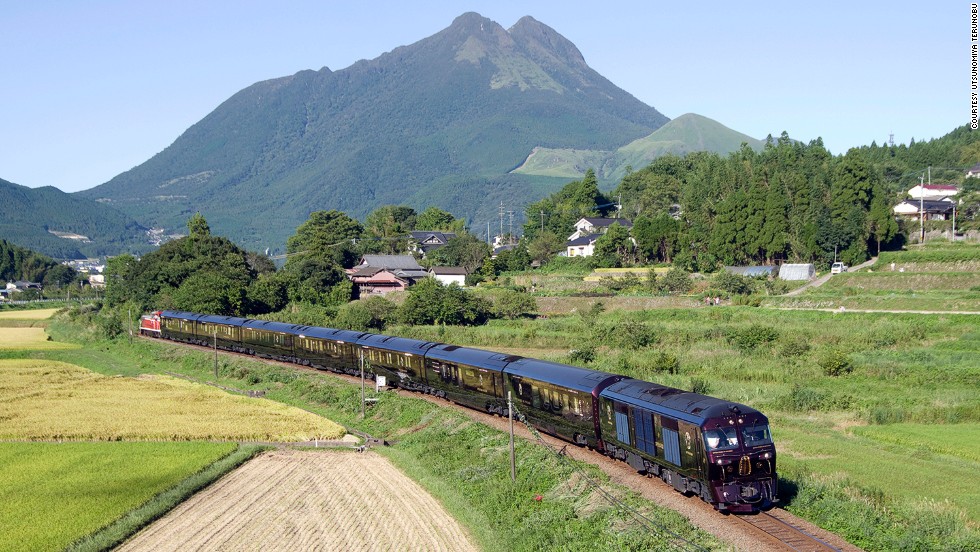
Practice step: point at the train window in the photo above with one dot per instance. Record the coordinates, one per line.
(622, 424)
(644, 431)
(721, 438)
(756, 435)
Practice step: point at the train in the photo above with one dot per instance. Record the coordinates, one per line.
(718, 450)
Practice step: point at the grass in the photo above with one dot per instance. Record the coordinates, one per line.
(54, 494)
(460, 462)
(91, 406)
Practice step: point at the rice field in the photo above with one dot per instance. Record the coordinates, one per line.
(35, 314)
(50, 400)
(29, 339)
(54, 494)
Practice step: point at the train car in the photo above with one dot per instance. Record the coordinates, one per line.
(466, 376)
(401, 360)
(273, 340)
(150, 324)
(179, 325)
(327, 349)
(226, 330)
(558, 399)
(709, 447)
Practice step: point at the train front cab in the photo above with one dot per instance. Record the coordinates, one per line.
(150, 324)
(741, 459)
(558, 399)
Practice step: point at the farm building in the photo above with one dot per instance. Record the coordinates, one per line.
(805, 271)
(449, 274)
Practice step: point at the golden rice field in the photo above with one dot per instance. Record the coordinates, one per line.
(44, 400)
(34, 339)
(36, 314)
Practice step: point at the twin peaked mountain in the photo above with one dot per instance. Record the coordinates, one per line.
(449, 121)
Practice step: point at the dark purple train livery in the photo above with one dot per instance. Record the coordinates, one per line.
(718, 450)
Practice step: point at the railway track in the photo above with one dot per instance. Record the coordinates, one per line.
(788, 535)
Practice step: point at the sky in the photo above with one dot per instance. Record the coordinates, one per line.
(90, 89)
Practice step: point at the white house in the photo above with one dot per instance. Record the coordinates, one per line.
(589, 225)
(934, 192)
(449, 275)
(582, 247)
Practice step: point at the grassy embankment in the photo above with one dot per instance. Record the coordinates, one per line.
(463, 464)
(872, 412)
(92, 493)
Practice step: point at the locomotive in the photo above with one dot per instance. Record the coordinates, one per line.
(718, 450)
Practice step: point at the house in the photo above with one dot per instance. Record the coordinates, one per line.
(380, 274)
(588, 226)
(449, 274)
(20, 285)
(931, 209)
(805, 271)
(974, 171)
(933, 192)
(587, 231)
(423, 241)
(582, 247)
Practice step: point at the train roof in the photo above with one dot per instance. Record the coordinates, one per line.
(333, 334)
(563, 375)
(473, 357)
(397, 344)
(272, 326)
(683, 405)
(181, 315)
(226, 320)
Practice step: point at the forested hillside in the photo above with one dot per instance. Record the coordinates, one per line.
(440, 122)
(18, 263)
(788, 202)
(35, 217)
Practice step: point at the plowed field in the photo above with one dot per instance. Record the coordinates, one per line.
(308, 500)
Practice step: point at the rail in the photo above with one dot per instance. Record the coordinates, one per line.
(790, 536)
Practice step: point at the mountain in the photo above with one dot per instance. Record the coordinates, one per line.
(65, 226)
(440, 122)
(687, 133)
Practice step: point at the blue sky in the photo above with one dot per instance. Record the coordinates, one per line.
(93, 88)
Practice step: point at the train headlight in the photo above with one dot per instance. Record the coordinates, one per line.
(720, 462)
(766, 455)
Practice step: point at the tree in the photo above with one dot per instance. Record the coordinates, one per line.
(323, 233)
(545, 245)
(435, 218)
(614, 248)
(388, 227)
(656, 237)
(465, 250)
(883, 227)
(197, 226)
(429, 302)
(511, 304)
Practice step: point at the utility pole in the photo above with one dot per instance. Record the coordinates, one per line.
(510, 227)
(542, 222)
(363, 415)
(510, 415)
(922, 228)
(216, 354)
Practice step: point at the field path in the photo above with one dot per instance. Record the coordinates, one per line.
(308, 500)
(823, 279)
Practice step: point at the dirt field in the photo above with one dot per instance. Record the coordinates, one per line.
(308, 500)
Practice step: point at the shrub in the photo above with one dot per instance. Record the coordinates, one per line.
(750, 338)
(733, 283)
(585, 355)
(836, 363)
(667, 362)
(796, 347)
(676, 281)
(512, 304)
(700, 385)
